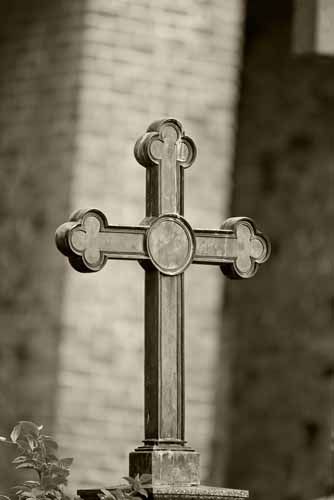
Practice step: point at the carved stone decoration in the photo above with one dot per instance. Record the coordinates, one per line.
(170, 244)
(88, 241)
(180, 493)
(165, 244)
(164, 236)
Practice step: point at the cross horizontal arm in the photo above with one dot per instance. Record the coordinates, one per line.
(237, 247)
(88, 241)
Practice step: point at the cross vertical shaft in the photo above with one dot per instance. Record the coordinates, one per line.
(164, 151)
(164, 360)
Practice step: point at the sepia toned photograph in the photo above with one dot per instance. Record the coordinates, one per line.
(167, 250)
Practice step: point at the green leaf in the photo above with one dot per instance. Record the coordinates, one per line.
(55, 494)
(66, 462)
(15, 433)
(130, 480)
(145, 478)
(26, 465)
(107, 495)
(19, 459)
(29, 428)
(51, 446)
(57, 468)
(33, 484)
(143, 492)
(31, 442)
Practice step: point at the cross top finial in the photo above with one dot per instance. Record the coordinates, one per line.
(165, 244)
(160, 139)
(165, 151)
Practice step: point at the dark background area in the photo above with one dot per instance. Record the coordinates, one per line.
(282, 322)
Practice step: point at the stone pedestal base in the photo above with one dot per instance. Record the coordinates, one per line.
(180, 493)
(175, 476)
(196, 493)
(166, 466)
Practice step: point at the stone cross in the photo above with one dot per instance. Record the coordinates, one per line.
(165, 244)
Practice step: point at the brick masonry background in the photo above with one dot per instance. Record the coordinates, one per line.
(141, 61)
(80, 81)
(39, 49)
(281, 322)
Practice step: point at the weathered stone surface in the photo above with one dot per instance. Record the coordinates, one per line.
(166, 466)
(180, 493)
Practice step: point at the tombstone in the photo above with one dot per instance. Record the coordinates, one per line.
(313, 27)
(165, 245)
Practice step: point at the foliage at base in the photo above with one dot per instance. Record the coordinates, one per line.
(38, 452)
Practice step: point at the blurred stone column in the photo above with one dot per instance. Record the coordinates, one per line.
(281, 323)
(40, 46)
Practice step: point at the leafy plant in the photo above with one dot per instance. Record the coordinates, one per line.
(135, 489)
(38, 452)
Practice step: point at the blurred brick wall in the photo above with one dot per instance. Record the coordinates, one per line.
(80, 81)
(281, 322)
(143, 60)
(39, 47)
